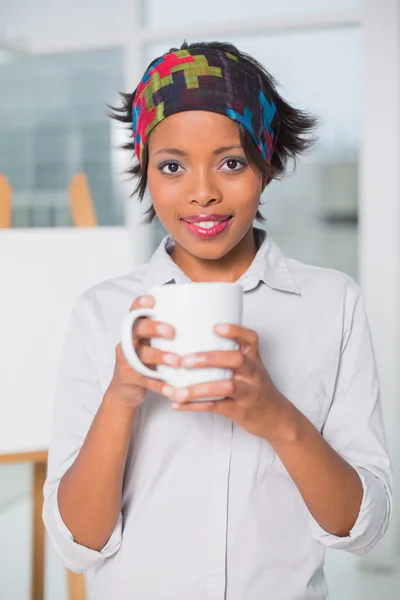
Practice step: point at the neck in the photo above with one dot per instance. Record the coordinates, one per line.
(228, 268)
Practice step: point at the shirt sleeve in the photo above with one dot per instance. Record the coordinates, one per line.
(78, 396)
(354, 428)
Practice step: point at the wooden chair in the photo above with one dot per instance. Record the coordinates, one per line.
(83, 215)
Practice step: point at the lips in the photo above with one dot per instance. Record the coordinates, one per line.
(204, 218)
(207, 226)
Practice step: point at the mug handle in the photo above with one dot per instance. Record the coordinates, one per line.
(127, 346)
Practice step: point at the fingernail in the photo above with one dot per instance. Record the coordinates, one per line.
(165, 330)
(168, 391)
(175, 405)
(189, 361)
(171, 359)
(144, 300)
(181, 394)
(221, 328)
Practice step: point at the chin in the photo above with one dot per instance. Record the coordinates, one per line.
(211, 254)
(208, 249)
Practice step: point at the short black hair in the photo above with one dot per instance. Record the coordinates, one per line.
(296, 127)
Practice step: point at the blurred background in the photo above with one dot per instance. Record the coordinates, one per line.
(62, 62)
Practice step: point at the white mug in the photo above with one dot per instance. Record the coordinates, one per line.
(192, 309)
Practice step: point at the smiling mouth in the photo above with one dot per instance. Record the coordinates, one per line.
(206, 219)
(207, 226)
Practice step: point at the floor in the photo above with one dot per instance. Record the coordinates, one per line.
(346, 580)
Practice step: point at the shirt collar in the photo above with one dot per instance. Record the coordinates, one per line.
(269, 266)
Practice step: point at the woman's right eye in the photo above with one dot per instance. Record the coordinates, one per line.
(170, 167)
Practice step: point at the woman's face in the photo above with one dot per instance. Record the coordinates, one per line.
(204, 192)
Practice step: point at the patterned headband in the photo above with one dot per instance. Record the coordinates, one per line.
(204, 79)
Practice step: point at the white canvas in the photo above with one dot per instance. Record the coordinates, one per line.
(42, 272)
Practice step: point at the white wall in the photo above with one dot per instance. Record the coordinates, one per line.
(379, 232)
(56, 25)
(160, 14)
(2, 17)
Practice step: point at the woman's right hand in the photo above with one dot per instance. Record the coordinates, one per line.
(127, 385)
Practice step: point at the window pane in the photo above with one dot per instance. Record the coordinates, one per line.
(56, 130)
(312, 213)
(158, 14)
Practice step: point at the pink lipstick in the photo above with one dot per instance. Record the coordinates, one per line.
(207, 226)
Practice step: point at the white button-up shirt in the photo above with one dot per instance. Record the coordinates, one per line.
(209, 511)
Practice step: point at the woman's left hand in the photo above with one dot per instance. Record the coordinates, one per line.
(251, 399)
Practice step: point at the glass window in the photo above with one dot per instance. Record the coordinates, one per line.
(312, 213)
(159, 15)
(53, 124)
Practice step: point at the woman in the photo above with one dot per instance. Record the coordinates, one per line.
(236, 499)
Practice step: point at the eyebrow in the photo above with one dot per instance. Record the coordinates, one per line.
(178, 152)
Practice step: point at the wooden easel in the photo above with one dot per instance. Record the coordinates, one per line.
(83, 215)
(5, 202)
(81, 204)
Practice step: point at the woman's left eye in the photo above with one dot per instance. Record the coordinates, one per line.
(234, 164)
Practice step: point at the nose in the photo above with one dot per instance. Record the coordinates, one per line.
(204, 190)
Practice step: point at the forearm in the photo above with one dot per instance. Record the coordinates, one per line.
(330, 487)
(90, 492)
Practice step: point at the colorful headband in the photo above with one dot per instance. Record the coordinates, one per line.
(204, 79)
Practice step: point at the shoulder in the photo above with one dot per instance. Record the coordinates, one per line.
(319, 282)
(113, 296)
(330, 297)
(328, 294)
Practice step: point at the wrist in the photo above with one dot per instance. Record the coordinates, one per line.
(116, 398)
(287, 425)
